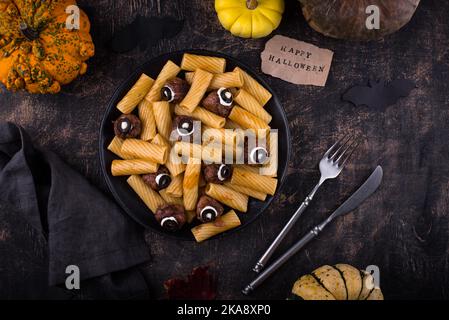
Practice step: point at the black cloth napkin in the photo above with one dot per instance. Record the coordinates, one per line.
(82, 226)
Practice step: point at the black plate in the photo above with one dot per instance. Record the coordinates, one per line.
(118, 186)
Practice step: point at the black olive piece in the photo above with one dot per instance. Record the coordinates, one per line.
(226, 96)
(163, 180)
(208, 214)
(124, 125)
(170, 224)
(167, 94)
(224, 172)
(185, 127)
(259, 155)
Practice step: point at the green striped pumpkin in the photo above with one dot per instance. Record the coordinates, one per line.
(338, 282)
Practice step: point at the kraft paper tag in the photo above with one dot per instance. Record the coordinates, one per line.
(296, 61)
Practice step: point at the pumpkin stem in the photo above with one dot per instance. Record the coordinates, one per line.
(29, 33)
(251, 4)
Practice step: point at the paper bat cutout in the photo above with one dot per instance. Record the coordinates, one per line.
(379, 94)
(144, 31)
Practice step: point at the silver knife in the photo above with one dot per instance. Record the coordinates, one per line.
(357, 198)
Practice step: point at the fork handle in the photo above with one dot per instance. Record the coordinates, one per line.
(275, 244)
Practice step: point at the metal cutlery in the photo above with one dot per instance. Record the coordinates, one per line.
(367, 189)
(331, 165)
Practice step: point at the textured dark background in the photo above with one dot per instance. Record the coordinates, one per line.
(403, 228)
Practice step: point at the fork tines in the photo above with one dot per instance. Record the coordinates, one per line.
(343, 149)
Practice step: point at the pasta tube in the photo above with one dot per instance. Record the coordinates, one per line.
(210, 153)
(250, 104)
(231, 125)
(205, 116)
(221, 80)
(223, 223)
(130, 167)
(214, 135)
(146, 116)
(254, 88)
(175, 187)
(135, 94)
(192, 62)
(169, 71)
(229, 197)
(254, 181)
(247, 120)
(116, 147)
(173, 165)
(162, 116)
(271, 168)
(189, 77)
(248, 191)
(200, 83)
(140, 149)
(151, 198)
(190, 183)
(170, 199)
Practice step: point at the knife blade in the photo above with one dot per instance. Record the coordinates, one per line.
(366, 189)
(363, 192)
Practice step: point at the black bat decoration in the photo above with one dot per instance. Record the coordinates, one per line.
(379, 94)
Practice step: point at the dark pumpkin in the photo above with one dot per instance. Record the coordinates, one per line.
(346, 19)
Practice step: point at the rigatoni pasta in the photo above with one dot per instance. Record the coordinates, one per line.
(205, 116)
(271, 168)
(175, 187)
(151, 198)
(250, 104)
(231, 125)
(146, 116)
(193, 62)
(200, 83)
(248, 191)
(116, 147)
(130, 167)
(136, 94)
(209, 153)
(254, 88)
(168, 198)
(247, 120)
(229, 197)
(162, 117)
(169, 71)
(226, 222)
(173, 165)
(254, 181)
(140, 149)
(190, 183)
(221, 80)
(214, 135)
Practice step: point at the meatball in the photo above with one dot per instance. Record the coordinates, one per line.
(171, 217)
(217, 173)
(127, 126)
(158, 180)
(208, 209)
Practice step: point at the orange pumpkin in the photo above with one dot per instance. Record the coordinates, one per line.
(38, 52)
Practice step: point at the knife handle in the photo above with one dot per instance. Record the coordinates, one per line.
(279, 262)
(275, 244)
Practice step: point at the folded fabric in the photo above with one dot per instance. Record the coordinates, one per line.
(82, 226)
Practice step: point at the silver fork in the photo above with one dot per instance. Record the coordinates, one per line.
(331, 165)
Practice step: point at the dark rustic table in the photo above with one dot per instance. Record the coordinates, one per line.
(403, 228)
